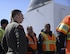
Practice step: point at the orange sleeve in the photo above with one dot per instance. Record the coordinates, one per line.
(66, 20)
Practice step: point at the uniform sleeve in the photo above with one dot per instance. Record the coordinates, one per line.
(21, 39)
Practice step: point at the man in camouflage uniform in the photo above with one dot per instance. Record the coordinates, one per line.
(15, 35)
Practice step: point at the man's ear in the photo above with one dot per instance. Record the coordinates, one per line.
(15, 18)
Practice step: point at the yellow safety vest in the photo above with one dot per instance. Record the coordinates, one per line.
(68, 35)
(1, 33)
(49, 43)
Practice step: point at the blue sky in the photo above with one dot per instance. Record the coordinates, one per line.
(7, 5)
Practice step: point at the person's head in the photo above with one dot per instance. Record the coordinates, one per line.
(17, 16)
(4, 23)
(29, 29)
(47, 27)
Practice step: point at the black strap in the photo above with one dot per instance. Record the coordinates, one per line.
(31, 37)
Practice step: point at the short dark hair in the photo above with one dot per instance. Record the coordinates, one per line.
(47, 24)
(4, 21)
(29, 27)
(15, 12)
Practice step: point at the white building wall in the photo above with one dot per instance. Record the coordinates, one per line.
(39, 17)
(60, 11)
(62, 2)
(51, 13)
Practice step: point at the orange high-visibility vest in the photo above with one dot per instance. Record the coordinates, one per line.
(49, 43)
(32, 44)
(64, 27)
(68, 43)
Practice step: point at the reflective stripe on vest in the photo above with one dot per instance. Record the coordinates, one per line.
(68, 35)
(31, 42)
(63, 28)
(47, 42)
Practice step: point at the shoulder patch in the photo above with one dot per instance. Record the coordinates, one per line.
(20, 27)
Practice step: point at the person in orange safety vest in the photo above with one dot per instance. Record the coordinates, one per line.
(47, 41)
(64, 28)
(32, 41)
